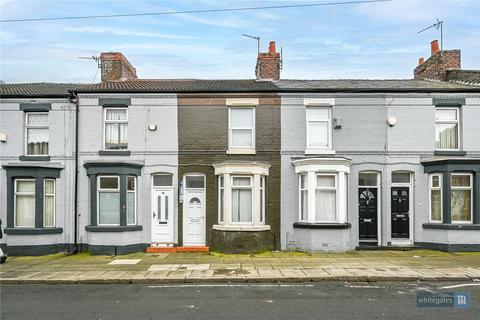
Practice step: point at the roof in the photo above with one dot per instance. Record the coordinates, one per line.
(39, 89)
(230, 86)
(468, 77)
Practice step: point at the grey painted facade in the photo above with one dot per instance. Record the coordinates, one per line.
(373, 145)
(61, 122)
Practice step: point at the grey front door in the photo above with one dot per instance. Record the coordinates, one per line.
(400, 212)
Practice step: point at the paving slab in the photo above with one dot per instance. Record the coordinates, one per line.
(125, 261)
(162, 267)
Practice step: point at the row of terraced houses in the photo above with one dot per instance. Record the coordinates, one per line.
(132, 164)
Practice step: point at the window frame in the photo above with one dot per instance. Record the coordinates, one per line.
(432, 188)
(262, 187)
(231, 128)
(27, 126)
(105, 121)
(249, 187)
(221, 199)
(309, 120)
(134, 199)
(106, 190)
(54, 202)
(16, 193)
(470, 188)
(317, 174)
(305, 174)
(457, 122)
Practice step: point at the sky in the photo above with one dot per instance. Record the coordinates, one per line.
(354, 41)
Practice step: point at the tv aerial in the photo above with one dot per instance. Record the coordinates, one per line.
(439, 26)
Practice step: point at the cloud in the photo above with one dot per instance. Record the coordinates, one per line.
(125, 32)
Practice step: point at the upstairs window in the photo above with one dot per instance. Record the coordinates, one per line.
(242, 128)
(319, 128)
(116, 128)
(447, 129)
(36, 125)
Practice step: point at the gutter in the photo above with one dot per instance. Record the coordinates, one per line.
(74, 99)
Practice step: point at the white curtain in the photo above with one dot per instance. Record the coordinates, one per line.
(325, 205)
(447, 136)
(109, 208)
(436, 205)
(304, 204)
(116, 135)
(37, 141)
(318, 134)
(131, 208)
(116, 114)
(242, 138)
(241, 205)
(48, 220)
(461, 205)
(25, 211)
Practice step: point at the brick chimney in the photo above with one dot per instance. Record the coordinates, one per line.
(268, 64)
(115, 67)
(435, 67)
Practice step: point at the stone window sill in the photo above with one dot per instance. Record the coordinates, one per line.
(452, 226)
(33, 231)
(241, 151)
(114, 152)
(240, 228)
(34, 158)
(306, 225)
(319, 151)
(450, 153)
(113, 228)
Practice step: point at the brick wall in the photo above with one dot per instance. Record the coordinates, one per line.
(268, 64)
(115, 67)
(435, 67)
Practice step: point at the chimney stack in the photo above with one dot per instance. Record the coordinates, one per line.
(115, 67)
(435, 68)
(268, 64)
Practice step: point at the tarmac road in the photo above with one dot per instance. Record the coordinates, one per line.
(323, 300)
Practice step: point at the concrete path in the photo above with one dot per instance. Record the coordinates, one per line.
(265, 267)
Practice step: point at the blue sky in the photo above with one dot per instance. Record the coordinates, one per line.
(375, 40)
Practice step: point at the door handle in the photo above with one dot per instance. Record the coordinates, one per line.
(154, 215)
(367, 220)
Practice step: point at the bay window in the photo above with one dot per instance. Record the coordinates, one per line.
(37, 137)
(241, 196)
(25, 203)
(447, 128)
(131, 200)
(322, 190)
(461, 197)
(115, 128)
(436, 198)
(108, 200)
(49, 202)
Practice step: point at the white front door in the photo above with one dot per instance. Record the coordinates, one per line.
(194, 213)
(162, 215)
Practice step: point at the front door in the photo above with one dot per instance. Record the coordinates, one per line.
(400, 212)
(194, 211)
(162, 215)
(367, 213)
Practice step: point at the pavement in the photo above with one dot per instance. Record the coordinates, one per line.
(367, 266)
(255, 301)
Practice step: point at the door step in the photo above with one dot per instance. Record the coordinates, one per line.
(176, 249)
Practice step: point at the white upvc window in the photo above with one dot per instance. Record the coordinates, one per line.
(241, 130)
(242, 204)
(49, 203)
(447, 128)
(436, 198)
(242, 196)
(461, 198)
(326, 198)
(131, 200)
(36, 133)
(115, 128)
(24, 205)
(322, 189)
(319, 129)
(303, 197)
(108, 195)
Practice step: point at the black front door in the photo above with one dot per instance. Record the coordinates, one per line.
(367, 213)
(400, 212)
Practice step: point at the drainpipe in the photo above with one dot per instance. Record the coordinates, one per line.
(74, 99)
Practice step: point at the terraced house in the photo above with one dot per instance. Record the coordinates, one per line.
(242, 165)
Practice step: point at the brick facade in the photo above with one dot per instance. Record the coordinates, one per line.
(435, 67)
(268, 64)
(115, 67)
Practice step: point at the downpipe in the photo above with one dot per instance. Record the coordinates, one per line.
(74, 99)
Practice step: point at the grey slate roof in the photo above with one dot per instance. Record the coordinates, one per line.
(231, 86)
(468, 77)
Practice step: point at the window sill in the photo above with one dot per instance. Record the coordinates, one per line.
(114, 153)
(113, 228)
(452, 226)
(241, 151)
(32, 231)
(450, 153)
(240, 228)
(319, 151)
(34, 158)
(306, 225)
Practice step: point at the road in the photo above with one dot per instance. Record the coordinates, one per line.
(234, 301)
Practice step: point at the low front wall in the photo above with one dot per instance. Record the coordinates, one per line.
(311, 240)
(241, 241)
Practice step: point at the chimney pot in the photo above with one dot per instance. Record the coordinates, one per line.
(434, 47)
(271, 48)
(421, 61)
